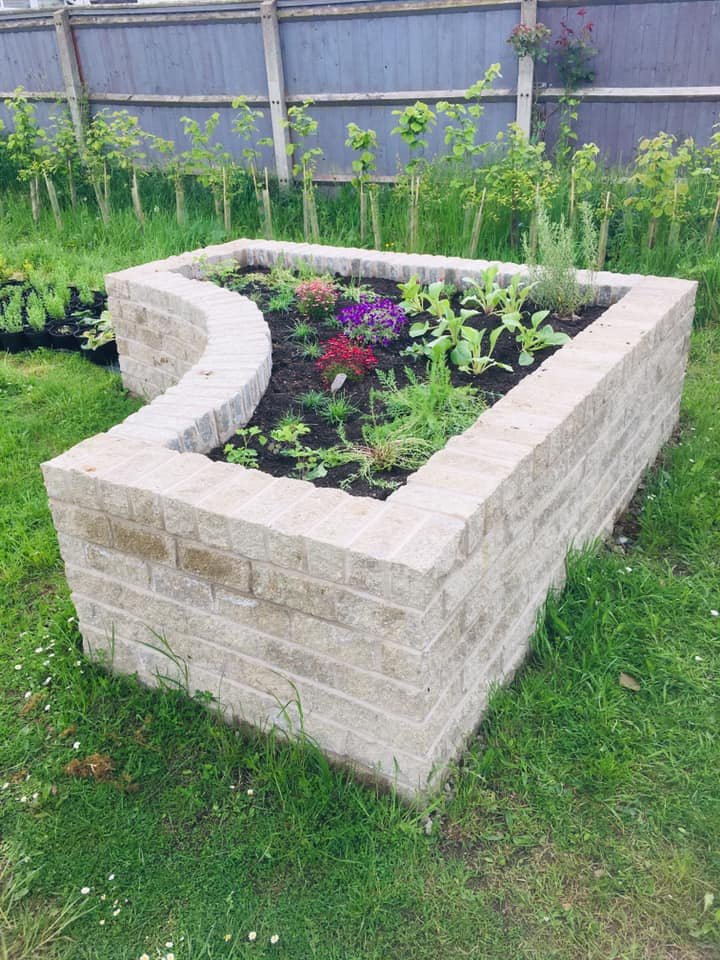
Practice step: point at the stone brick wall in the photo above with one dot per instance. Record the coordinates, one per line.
(389, 621)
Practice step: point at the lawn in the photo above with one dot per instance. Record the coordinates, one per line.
(584, 821)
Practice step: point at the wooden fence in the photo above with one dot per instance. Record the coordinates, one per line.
(658, 66)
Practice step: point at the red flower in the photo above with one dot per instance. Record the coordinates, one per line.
(343, 356)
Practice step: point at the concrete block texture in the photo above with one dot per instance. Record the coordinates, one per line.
(391, 620)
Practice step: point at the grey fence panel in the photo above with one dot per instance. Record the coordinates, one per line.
(438, 51)
(29, 59)
(173, 58)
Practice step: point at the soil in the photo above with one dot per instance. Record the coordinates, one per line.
(294, 375)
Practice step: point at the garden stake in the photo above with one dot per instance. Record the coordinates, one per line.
(52, 196)
(375, 217)
(712, 226)
(363, 211)
(652, 230)
(267, 210)
(674, 225)
(35, 198)
(135, 194)
(226, 200)
(477, 223)
(604, 227)
(180, 199)
(71, 185)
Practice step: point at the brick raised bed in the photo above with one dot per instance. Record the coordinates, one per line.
(389, 620)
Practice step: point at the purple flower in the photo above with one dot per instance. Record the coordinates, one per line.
(373, 321)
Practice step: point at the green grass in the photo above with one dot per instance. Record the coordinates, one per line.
(86, 249)
(583, 822)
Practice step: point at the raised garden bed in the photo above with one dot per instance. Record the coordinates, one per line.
(387, 620)
(62, 318)
(356, 414)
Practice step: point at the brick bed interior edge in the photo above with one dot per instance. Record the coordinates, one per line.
(390, 620)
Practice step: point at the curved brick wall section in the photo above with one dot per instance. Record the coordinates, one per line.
(392, 619)
(200, 353)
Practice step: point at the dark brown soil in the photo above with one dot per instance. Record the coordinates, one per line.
(294, 375)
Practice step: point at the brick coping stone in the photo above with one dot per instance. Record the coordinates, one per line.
(379, 627)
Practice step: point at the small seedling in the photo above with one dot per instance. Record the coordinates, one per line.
(302, 330)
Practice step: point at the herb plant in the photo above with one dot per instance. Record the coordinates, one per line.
(11, 319)
(35, 312)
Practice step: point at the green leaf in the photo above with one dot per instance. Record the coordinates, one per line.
(526, 359)
(419, 329)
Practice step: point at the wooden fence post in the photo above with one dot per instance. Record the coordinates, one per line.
(526, 73)
(71, 72)
(276, 87)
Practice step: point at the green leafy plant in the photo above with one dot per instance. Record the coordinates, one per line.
(127, 146)
(246, 455)
(413, 126)
(431, 409)
(245, 125)
(100, 333)
(337, 408)
(532, 337)
(659, 189)
(35, 312)
(555, 283)
(414, 123)
(310, 350)
(462, 133)
(413, 301)
(313, 400)
(530, 40)
(364, 143)
(289, 430)
(55, 299)
(355, 291)
(25, 146)
(11, 315)
(302, 126)
(208, 161)
(521, 177)
(302, 330)
(471, 356)
(486, 294)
